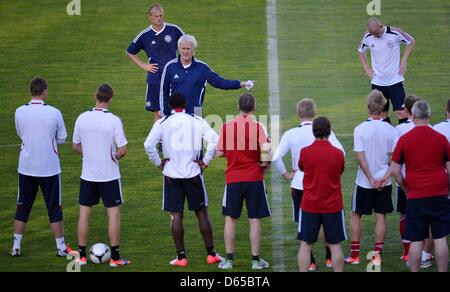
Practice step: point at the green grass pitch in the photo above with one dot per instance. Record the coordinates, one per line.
(317, 43)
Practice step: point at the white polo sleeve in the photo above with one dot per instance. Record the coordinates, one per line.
(280, 152)
(211, 137)
(335, 142)
(61, 133)
(119, 134)
(76, 139)
(152, 140)
(358, 145)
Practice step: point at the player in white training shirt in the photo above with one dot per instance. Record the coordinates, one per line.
(100, 139)
(182, 134)
(374, 141)
(41, 128)
(388, 70)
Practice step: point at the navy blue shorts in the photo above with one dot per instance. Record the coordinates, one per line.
(152, 97)
(394, 93)
(255, 196)
(27, 191)
(110, 192)
(423, 214)
(297, 196)
(401, 201)
(365, 201)
(333, 227)
(177, 190)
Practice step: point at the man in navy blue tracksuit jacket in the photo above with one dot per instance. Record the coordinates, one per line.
(188, 76)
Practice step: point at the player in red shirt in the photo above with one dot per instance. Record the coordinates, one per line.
(322, 205)
(246, 146)
(426, 155)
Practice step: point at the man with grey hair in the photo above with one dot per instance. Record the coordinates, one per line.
(387, 71)
(188, 76)
(293, 141)
(159, 41)
(426, 155)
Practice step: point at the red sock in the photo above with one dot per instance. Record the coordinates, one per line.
(379, 247)
(406, 245)
(354, 248)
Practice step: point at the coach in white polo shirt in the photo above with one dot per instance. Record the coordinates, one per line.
(182, 134)
(41, 128)
(374, 141)
(387, 71)
(293, 141)
(99, 137)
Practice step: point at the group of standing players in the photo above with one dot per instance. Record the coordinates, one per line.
(175, 93)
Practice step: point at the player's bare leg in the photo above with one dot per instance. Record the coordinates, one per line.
(441, 253)
(178, 231)
(204, 224)
(114, 225)
(355, 227)
(380, 227)
(337, 257)
(304, 256)
(415, 255)
(83, 225)
(230, 234)
(83, 229)
(255, 235)
(19, 227)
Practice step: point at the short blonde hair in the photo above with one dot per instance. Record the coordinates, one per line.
(376, 102)
(306, 108)
(155, 6)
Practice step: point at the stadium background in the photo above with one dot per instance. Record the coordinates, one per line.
(317, 43)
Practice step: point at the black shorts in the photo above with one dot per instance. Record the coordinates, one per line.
(366, 201)
(333, 227)
(152, 97)
(176, 190)
(297, 196)
(110, 192)
(401, 201)
(255, 196)
(27, 191)
(394, 93)
(423, 214)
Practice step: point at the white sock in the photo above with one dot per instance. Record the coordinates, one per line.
(425, 256)
(60, 243)
(17, 240)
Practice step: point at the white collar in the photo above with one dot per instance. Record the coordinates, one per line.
(36, 101)
(158, 32)
(307, 123)
(100, 109)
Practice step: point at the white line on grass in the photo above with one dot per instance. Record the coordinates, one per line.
(274, 109)
(9, 146)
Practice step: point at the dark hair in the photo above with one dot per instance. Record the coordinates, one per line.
(247, 103)
(410, 101)
(177, 100)
(104, 93)
(38, 85)
(321, 128)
